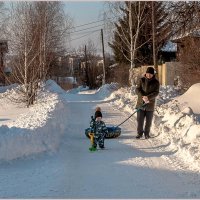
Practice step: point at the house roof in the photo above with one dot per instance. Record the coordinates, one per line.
(7, 69)
(195, 33)
(114, 65)
(169, 47)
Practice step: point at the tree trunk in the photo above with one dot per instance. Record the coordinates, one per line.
(153, 38)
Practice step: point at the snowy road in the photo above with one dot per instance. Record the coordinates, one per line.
(127, 168)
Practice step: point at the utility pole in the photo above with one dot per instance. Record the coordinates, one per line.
(153, 37)
(130, 21)
(104, 70)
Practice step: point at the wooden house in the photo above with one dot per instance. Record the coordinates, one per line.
(187, 45)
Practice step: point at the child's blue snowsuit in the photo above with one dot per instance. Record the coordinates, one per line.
(99, 129)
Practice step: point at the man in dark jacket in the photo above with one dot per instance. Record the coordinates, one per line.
(147, 90)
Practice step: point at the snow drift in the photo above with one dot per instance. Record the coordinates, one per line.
(178, 123)
(176, 119)
(191, 98)
(39, 129)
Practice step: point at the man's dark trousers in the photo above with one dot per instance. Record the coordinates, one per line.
(141, 116)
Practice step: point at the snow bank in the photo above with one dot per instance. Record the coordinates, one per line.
(178, 123)
(105, 90)
(191, 98)
(175, 119)
(125, 99)
(53, 87)
(167, 93)
(38, 130)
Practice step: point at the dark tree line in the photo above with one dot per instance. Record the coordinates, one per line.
(170, 19)
(144, 54)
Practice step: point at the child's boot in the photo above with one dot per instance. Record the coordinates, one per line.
(92, 148)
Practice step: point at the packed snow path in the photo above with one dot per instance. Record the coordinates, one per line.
(127, 168)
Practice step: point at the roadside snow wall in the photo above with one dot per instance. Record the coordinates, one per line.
(39, 130)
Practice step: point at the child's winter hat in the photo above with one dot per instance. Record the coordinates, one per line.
(98, 114)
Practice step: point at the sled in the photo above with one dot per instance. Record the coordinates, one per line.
(113, 132)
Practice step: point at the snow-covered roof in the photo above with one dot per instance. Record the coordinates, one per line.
(170, 47)
(8, 69)
(195, 33)
(114, 65)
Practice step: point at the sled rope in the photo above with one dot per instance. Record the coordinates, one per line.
(132, 114)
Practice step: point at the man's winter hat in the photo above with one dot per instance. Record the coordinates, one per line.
(150, 70)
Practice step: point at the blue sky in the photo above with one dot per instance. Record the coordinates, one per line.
(84, 12)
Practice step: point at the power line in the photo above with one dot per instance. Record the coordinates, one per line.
(91, 32)
(92, 22)
(85, 32)
(84, 35)
(87, 28)
(79, 33)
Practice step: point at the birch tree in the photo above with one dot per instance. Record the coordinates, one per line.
(138, 39)
(36, 33)
(136, 16)
(21, 47)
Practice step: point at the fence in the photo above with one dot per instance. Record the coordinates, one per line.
(167, 72)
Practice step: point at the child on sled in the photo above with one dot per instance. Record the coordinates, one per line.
(99, 129)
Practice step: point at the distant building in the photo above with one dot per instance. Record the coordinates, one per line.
(74, 65)
(100, 63)
(69, 66)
